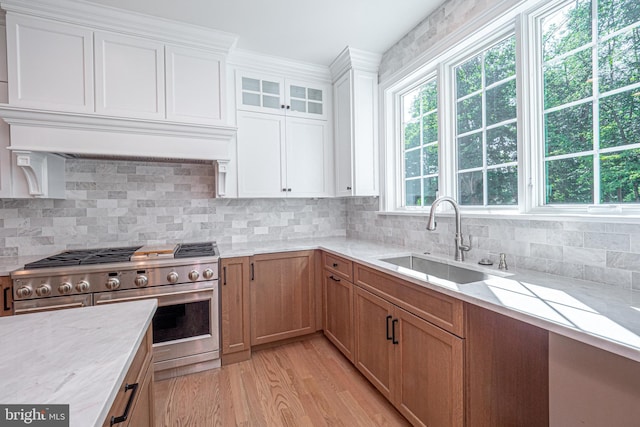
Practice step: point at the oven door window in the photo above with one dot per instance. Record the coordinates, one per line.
(174, 322)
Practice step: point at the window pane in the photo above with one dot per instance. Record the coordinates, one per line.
(501, 103)
(298, 105)
(413, 193)
(271, 87)
(567, 29)
(429, 96)
(412, 163)
(298, 92)
(616, 14)
(500, 61)
(315, 108)
(470, 188)
(250, 99)
(470, 114)
(619, 60)
(620, 119)
(430, 159)
(620, 177)
(430, 128)
(569, 80)
(430, 190)
(270, 101)
(250, 84)
(502, 185)
(315, 94)
(470, 151)
(411, 105)
(469, 77)
(411, 135)
(570, 181)
(569, 130)
(502, 146)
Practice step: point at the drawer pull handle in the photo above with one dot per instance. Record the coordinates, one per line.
(123, 417)
(393, 331)
(5, 301)
(253, 275)
(335, 265)
(389, 337)
(335, 279)
(224, 275)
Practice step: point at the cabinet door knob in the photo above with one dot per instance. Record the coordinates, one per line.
(289, 190)
(349, 188)
(282, 106)
(284, 189)
(288, 107)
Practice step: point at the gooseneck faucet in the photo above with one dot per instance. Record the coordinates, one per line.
(461, 248)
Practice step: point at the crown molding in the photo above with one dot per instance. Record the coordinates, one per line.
(249, 60)
(351, 58)
(107, 18)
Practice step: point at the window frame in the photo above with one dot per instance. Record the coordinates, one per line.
(524, 21)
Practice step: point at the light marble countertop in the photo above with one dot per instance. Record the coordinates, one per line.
(600, 315)
(77, 357)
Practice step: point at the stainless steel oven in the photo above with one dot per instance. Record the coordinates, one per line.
(185, 326)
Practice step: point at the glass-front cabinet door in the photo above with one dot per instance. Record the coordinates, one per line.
(264, 94)
(306, 100)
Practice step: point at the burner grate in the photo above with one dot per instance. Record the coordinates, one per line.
(189, 250)
(85, 257)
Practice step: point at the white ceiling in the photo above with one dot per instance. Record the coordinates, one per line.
(312, 31)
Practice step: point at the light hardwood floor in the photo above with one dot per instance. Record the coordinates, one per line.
(307, 383)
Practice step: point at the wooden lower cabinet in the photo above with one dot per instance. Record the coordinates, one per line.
(135, 398)
(282, 289)
(414, 364)
(235, 316)
(338, 312)
(6, 296)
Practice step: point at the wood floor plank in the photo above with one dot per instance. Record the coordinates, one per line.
(307, 383)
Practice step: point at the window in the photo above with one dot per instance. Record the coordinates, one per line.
(486, 128)
(591, 67)
(420, 147)
(537, 111)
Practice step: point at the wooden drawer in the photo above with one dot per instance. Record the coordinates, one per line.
(338, 265)
(439, 309)
(6, 296)
(136, 375)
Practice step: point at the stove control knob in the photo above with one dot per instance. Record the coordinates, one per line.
(113, 283)
(65, 288)
(207, 274)
(141, 281)
(172, 277)
(193, 275)
(24, 292)
(43, 290)
(82, 286)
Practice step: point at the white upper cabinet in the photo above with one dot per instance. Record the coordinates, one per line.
(268, 94)
(195, 85)
(355, 91)
(129, 76)
(50, 64)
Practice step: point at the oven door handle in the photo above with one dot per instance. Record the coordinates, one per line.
(164, 294)
(48, 308)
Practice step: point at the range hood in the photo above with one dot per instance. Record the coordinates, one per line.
(84, 134)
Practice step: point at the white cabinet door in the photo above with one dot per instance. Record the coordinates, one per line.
(50, 64)
(260, 155)
(129, 76)
(194, 85)
(263, 94)
(308, 165)
(343, 120)
(305, 100)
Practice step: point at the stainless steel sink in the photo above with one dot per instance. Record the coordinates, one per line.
(441, 270)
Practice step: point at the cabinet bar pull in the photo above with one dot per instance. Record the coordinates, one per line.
(388, 318)
(335, 265)
(335, 279)
(123, 417)
(393, 331)
(252, 272)
(224, 275)
(6, 299)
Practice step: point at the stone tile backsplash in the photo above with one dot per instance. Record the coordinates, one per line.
(605, 252)
(119, 203)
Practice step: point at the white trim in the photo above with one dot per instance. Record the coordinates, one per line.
(267, 64)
